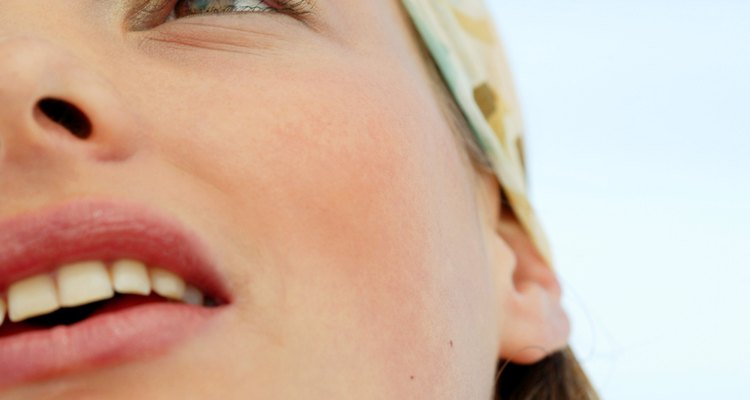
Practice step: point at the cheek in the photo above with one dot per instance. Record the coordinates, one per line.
(350, 193)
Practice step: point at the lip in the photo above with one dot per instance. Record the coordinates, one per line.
(41, 241)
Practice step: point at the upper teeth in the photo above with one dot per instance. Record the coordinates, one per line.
(86, 282)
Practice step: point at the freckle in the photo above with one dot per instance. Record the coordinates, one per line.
(411, 377)
(451, 342)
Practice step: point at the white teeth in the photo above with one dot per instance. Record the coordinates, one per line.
(83, 283)
(86, 282)
(130, 276)
(32, 297)
(192, 296)
(167, 284)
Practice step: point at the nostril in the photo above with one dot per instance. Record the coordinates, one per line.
(67, 115)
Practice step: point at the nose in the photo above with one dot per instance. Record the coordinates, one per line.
(54, 108)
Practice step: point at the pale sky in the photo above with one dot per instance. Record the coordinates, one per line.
(639, 150)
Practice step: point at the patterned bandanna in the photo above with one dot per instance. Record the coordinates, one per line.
(463, 42)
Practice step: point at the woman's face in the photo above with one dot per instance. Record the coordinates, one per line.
(308, 155)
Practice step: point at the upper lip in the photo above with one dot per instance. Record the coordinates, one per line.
(39, 242)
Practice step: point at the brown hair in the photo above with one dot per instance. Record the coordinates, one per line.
(559, 376)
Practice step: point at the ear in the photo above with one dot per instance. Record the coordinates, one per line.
(532, 322)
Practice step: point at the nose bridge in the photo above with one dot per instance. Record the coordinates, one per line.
(35, 72)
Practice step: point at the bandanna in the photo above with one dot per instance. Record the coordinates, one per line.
(464, 44)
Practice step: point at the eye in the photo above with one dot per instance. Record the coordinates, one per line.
(186, 8)
(152, 13)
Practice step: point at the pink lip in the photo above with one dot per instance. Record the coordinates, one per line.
(40, 242)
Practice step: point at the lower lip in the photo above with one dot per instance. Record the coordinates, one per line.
(110, 337)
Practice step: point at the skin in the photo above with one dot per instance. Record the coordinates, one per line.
(366, 257)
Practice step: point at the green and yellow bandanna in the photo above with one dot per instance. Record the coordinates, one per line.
(462, 39)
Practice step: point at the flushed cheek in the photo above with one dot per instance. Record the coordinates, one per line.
(307, 146)
(336, 202)
(354, 251)
(353, 230)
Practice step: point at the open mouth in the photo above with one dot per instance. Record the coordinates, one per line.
(77, 291)
(93, 284)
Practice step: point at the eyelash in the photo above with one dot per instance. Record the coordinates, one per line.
(291, 7)
(151, 13)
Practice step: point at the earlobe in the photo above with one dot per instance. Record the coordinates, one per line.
(533, 324)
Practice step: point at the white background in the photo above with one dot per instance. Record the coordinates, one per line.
(638, 117)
